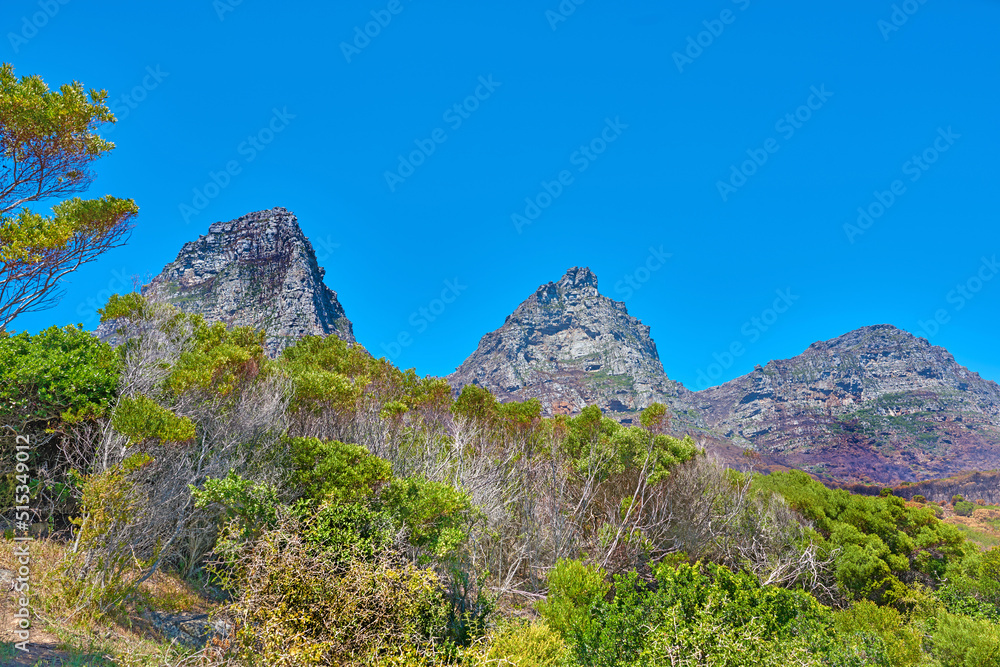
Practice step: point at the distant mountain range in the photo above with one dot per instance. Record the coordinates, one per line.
(876, 405)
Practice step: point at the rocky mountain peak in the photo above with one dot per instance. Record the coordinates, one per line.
(258, 270)
(579, 279)
(876, 404)
(570, 346)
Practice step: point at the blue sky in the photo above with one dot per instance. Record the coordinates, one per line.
(737, 137)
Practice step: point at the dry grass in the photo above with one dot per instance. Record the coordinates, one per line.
(75, 633)
(983, 527)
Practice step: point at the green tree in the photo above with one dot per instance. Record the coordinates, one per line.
(48, 141)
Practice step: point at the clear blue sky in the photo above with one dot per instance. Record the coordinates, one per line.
(885, 96)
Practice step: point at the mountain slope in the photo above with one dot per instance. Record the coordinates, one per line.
(875, 405)
(570, 347)
(257, 270)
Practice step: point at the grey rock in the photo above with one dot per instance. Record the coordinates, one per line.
(876, 405)
(258, 270)
(569, 346)
(191, 630)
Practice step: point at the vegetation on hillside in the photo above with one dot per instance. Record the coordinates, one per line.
(346, 512)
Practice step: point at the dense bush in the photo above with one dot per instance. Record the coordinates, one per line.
(698, 614)
(297, 607)
(964, 508)
(880, 542)
(55, 387)
(358, 514)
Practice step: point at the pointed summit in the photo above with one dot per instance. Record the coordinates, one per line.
(578, 278)
(569, 346)
(257, 270)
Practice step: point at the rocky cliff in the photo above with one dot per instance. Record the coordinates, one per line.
(875, 405)
(257, 270)
(570, 347)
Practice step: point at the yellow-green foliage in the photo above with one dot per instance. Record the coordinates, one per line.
(437, 515)
(219, 360)
(297, 609)
(335, 471)
(960, 641)
(58, 374)
(604, 448)
(902, 642)
(573, 588)
(140, 418)
(880, 541)
(527, 645)
(329, 374)
(109, 503)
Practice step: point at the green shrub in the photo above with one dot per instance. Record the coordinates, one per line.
(900, 644)
(332, 471)
(960, 641)
(691, 615)
(140, 418)
(246, 508)
(919, 498)
(973, 586)
(964, 508)
(880, 541)
(437, 516)
(345, 532)
(298, 608)
(60, 374)
(527, 645)
(574, 588)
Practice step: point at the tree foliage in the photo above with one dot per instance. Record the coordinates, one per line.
(48, 141)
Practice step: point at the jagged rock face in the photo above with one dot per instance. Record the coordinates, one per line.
(258, 270)
(570, 347)
(875, 405)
